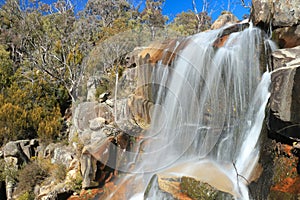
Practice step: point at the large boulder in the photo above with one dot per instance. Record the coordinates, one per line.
(187, 188)
(284, 118)
(287, 37)
(23, 150)
(227, 18)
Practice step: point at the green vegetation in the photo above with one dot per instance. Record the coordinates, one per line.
(48, 51)
(32, 174)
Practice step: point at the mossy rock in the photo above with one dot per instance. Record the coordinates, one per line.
(200, 190)
(164, 187)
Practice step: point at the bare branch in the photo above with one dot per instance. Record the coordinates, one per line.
(244, 5)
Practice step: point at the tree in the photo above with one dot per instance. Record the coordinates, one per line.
(203, 18)
(152, 16)
(107, 10)
(186, 23)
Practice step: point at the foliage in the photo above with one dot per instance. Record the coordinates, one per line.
(47, 53)
(30, 175)
(185, 23)
(26, 196)
(9, 171)
(75, 184)
(152, 16)
(59, 172)
(28, 110)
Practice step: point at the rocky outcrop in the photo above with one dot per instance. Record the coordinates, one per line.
(284, 118)
(102, 137)
(59, 154)
(282, 16)
(17, 153)
(279, 13)
(226, 18)
(287, 37)
(279, 178)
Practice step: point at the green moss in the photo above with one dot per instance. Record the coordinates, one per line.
(200, 190)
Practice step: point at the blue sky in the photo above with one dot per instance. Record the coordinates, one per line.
(173, 7)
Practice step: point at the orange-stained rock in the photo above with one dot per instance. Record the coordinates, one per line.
(286, 181)
(164, 51)
(221, 41)
(87, 194)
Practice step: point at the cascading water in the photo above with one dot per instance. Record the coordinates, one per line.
(208, 112)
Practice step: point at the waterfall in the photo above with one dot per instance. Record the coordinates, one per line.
(209, 110)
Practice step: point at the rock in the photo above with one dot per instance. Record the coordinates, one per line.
(287, 37)
(284, 118)
(59, 154)
(286, 57)
(282, 16)
(86, 119)
(141, 110)
(83, 113)
(21, 149)
(278, 13)
(92, 84)
(88, 169)
(11, 149)
(124, 118)
(10, 185)
(109, 102)
(105, 111)
(185, 188)
(97, 123)
(286, 180)
(63, 155)
(53, 191)
(103, 97)
(73, 169)
(225, 19)
(49, 150)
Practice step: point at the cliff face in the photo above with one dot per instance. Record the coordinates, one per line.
(280, 151)
(282, 17)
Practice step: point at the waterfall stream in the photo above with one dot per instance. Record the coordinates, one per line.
(208, 114)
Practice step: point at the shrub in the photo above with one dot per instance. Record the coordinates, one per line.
(76, 183)
(50, 127)
(30, 175)
(26, 196)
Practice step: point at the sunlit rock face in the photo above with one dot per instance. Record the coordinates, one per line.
(285, 93)
(227, 18)
(278, 12)
(287, 37)
(282, 16)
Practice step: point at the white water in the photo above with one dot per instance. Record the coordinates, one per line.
(211, 107)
